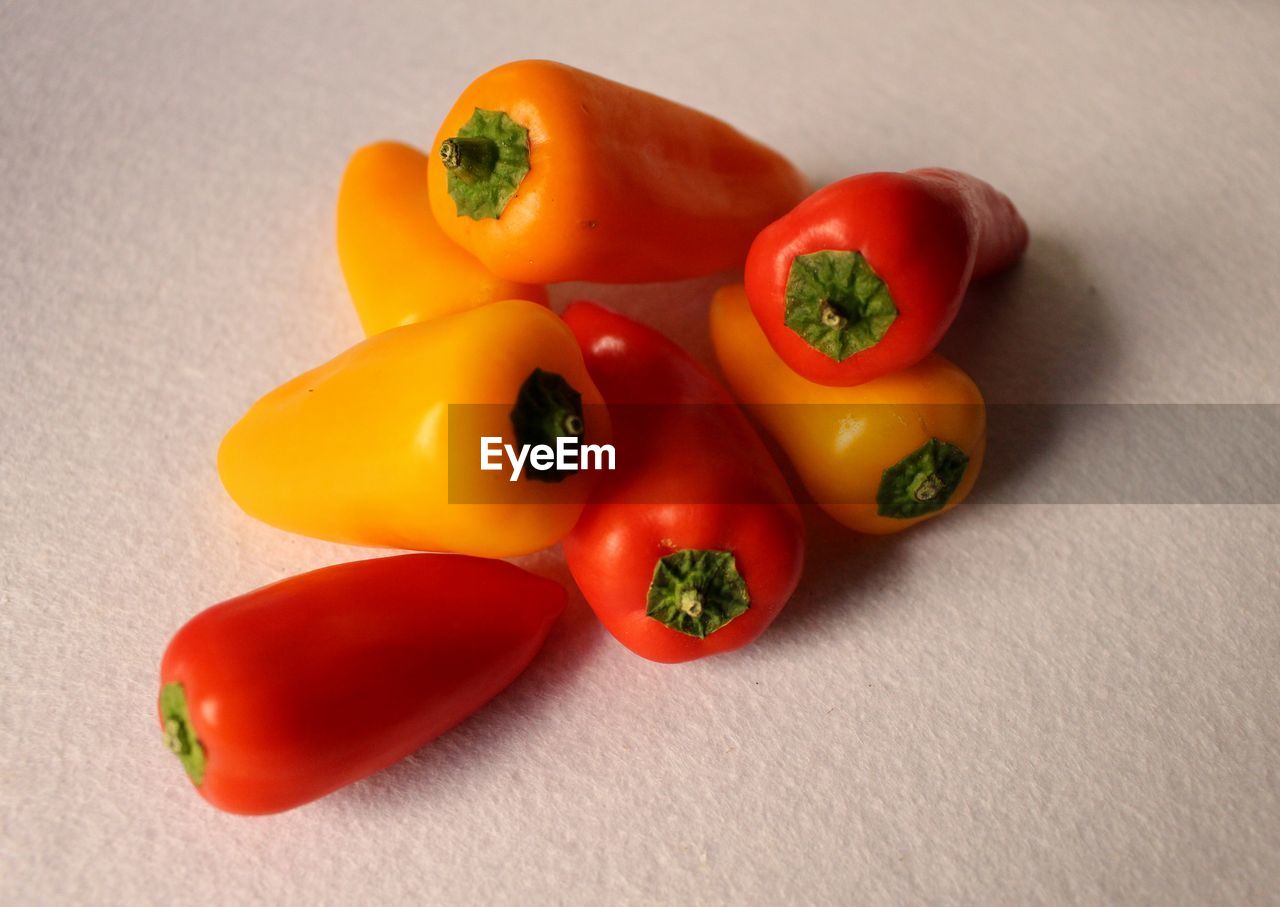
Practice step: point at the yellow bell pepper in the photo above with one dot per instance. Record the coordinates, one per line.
(399, 265)
(879, 456)
(372, 447)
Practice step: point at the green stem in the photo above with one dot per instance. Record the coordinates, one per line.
(697, 591)
(921, 482)
(471, 159)
(837, 303)
(179, 735)
(485, 163)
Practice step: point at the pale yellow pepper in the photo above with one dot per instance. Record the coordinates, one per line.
(399, 265)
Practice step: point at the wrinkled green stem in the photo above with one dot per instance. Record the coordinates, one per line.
(485, 163)
(837, 303)
(921, 482)
(696, 591)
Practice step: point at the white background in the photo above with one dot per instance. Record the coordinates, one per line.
(1016, 703)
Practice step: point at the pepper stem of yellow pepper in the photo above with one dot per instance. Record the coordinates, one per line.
(470, 158)
(921, 482)
(547, 408)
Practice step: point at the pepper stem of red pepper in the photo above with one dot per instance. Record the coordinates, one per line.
(696, 591)
(179, 736)
(830, 316)
(691, 603)
(837, 303)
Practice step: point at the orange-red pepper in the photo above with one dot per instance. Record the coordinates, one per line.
(286, 693)
(864, 276)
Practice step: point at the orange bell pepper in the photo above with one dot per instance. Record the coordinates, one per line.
(547, 173)
(399, 265)
(879, 456)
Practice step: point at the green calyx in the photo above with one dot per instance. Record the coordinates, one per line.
(921, 482)
(696, 592)
(486, 162)
(837, 303)
(179, 736)
(547, 408)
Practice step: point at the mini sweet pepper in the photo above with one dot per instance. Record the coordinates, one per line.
(400, 267)
(382, 445)
(547, 173)
(865, 276)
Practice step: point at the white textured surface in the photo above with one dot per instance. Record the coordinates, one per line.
(1016, 704)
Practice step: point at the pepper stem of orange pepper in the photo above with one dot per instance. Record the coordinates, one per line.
(485, 163)
(697, 591)
(470, 158)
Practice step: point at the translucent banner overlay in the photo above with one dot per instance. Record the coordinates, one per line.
(1084, 453)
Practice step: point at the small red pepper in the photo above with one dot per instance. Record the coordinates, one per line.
(289, 692)
(695, 543)
(864, 276)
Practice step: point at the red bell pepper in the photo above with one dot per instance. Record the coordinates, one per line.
(289, 692)
(695, 543)
(864, 276)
